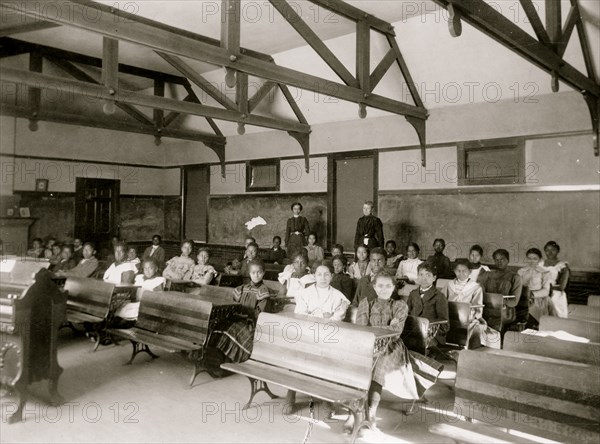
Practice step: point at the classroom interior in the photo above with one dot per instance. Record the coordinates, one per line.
(503, 153)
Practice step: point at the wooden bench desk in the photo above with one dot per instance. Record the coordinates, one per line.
(547, 397)
(585, 329)
(176, 322)
(587, 313)
(90, 302)
(327, 360)
(536, 344)
(496, 313)
(593, 301)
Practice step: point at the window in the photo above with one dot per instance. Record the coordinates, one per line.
(262, 175)
(491, 162)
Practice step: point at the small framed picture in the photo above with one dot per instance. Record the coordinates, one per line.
(24, 212)
(41, 185)
(10, 212)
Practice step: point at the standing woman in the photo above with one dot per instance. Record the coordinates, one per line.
(538, 281)
(559, 279)
(296, 231)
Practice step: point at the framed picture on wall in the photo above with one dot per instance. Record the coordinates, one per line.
(10, 212)
(41, 185)
(262, 175)
(24, 212)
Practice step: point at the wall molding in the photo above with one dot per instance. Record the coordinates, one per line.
(308, 193)
(497, 189)
(99, 162)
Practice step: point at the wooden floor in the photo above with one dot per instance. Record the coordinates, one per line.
(150, 401)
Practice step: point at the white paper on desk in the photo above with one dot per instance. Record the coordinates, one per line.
(559, 334)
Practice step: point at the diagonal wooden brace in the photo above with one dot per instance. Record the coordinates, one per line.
(419, 126)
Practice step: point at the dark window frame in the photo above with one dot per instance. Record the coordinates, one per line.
(517, 144)
(257, 163)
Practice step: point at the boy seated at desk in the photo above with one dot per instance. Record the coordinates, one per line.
(277, 255)
(429, 302)
(66, 261)
(86, 266)
(149, 280)
(120, 271)
(37, 248)
(296, 276)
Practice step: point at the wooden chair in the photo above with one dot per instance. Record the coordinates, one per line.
(495, 311)
(460, 315)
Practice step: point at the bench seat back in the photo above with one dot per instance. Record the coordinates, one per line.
(459, 315)
(90, 296)
(316, 347)
(588, 330)
(534, 344)
(415, 334)
(174, 314)
(529, 393)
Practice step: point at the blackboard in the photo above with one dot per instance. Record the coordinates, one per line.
(227, 217)
(514, 221)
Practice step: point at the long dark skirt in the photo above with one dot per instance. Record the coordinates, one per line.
(236, 341)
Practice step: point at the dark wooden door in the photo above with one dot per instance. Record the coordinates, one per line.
(353, 180)
(97, 211)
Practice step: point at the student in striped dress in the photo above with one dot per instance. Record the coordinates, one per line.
(405, 374)
(236, 341)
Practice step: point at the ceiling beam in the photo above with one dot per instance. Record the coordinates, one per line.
(192, 97)
(535, 21)
(486, 19)
(90, 90)
(78, 74)
(553, 21)
(110, 124)
(570, 23)
(173, 41)
(350, 12)
(262, 92)
(14, 47)
(585, 47)
(198, 80)
(17, 28)
(314, 41)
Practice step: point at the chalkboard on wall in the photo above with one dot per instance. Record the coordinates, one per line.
(513, 221)
(229, 214)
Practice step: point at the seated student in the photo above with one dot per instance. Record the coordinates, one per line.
(360, 267)
(538, 282)
(156, 252)
(478, 271)
(179, 267)
(148, 280)
(37, 248)
(66, 262)
(277, 254)
(393, 257)
(120, 271)
(394, 368)
(407, 269)
(559, 277)
(506, 282)
(86, 266)
(315, 252)
(48, 252)
(56, 256)
(428, 302)
(77, 249)
(247, 241)
(364, 288)
(133, 257)
(251, 254)
(109, 254)
(337, 250)
(203, 273)
(340, 280)
(439, 260)
(321, 301)
(236, 341)
(465, 289)
(296, 276)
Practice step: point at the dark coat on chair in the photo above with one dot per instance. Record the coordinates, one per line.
(433, 306)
